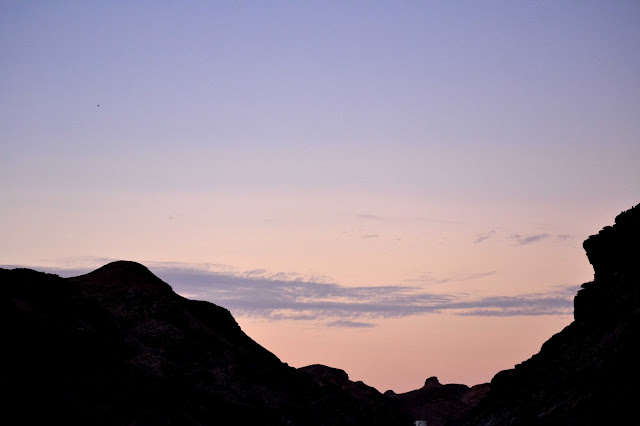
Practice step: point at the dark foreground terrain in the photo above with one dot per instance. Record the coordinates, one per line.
(118, 347)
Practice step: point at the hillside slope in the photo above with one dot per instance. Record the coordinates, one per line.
(118, 346)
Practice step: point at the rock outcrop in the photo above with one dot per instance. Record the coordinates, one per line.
(587, 374)
(440, 404)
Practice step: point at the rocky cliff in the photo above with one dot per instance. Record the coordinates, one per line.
(589, 372)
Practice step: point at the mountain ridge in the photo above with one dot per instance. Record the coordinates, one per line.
(117, 345)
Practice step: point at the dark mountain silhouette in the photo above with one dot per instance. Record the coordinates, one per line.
(118, 346)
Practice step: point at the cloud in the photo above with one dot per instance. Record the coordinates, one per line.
(396, 219)
(476, 276)
(348, 306)
(341, 306)
(284, 296)
(377, 218)
(565, 237)
(522, 240)
(369, 236)
(352, 324)
(429, 278)
(524, 305)
(483, 237)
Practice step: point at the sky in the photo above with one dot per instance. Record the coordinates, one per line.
(399, 189)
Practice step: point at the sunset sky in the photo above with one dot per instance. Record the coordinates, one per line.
(399, 189)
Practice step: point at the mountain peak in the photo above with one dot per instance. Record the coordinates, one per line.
(125, 283)
(122, 267)
(432, 382)
(121, 273)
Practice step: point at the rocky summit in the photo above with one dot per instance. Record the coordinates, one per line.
(118, 346)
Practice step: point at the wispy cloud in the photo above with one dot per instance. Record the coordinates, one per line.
(378, 218)
(431, 278)
(557, 301)
(483, 237)
(343, 306)
(392, 219)
(350, 324)
(280, 296)
(369, 236)
(523, 240)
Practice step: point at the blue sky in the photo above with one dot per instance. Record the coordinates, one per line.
(367, 151)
